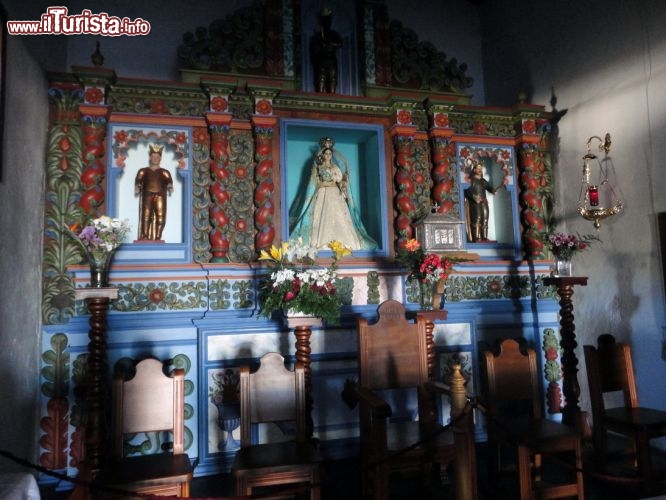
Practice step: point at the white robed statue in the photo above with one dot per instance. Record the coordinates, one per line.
(328, 210)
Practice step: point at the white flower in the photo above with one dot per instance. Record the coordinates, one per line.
(282, 275)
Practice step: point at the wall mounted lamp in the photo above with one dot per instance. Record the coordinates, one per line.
(598, 199)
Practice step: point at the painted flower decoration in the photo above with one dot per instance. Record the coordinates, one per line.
(200, 136)
(529, 126)
(264, 107)
(158, 107)
(219, 104)
(226, 387)
(404, 117)
(479, 128)
(93, 95)
(297, 283)
(120, 137)
(441, 120)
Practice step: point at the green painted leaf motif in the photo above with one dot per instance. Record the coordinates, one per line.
(56, 367)
(182, 361)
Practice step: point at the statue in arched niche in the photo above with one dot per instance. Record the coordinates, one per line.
(153, 183)
(476, 202)
(328, 211)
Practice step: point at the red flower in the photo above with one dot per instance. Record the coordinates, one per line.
(412, 244)
(551, 354)
(181, 138)
(93, 95)
(219, 104)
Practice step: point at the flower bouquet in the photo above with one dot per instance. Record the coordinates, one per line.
(426, 268)
(297, 284)
(99, 239)
(563, 246)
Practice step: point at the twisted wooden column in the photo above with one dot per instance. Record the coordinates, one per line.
(218, 125)
(265, 189)
(403, 143)
(430, 317)
(94, 125)
(302, 327)
(535, 173)
(571, 413)
(97, 300)
(445, 189)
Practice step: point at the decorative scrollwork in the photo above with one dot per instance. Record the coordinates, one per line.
(419, 64)
(230, 44)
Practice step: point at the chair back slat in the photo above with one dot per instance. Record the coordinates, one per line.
(150, 401)
(616, 369)
(390, 350)
(272, 394)
(512, 380)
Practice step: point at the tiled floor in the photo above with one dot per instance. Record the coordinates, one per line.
(341, 481)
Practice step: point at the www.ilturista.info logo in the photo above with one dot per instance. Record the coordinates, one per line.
(55, 21)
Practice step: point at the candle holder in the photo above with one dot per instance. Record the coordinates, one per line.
(598, 201)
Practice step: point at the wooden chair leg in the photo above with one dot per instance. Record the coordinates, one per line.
(242, 486)
(315, 485)
(643, 461)
(381, 483)
(579, 472)
(538, 462)
(600, 447)
(524, 473)
(493, 461)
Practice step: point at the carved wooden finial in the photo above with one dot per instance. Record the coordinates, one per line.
(97, 58)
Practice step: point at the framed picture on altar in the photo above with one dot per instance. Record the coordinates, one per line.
(333, 179)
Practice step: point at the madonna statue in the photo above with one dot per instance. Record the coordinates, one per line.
(328, 211)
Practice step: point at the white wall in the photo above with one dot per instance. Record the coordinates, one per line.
(605, 62)
(21, 224)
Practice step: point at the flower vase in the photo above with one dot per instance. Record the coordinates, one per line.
(563, 267)
(426, 300)
(100, 264)
(293, 318)
(228, 419)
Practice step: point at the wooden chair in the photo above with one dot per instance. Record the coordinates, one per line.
(274, 394)
(511, 391)
(393, 356)
(610, 369)
(152, 403)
